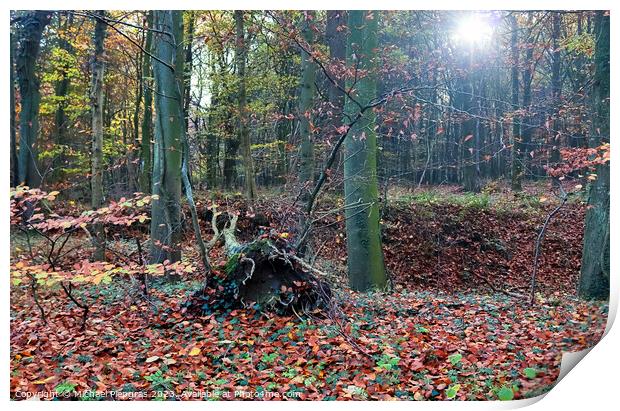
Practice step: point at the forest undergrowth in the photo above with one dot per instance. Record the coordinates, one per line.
(450, 327)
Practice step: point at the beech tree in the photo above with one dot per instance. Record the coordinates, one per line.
(168, 147)
(365, 256)
(594, 280)
(32, 25)
(306, 96)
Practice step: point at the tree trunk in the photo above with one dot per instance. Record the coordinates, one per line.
(306, 97)
(556, 90)
(187, 78)
(62, 88)
(96, 100)
(527, 128)
(594, 280)
(365, 256)
(147, 120)
(244, 134)
(517, 169)
(470, 136)
(13, 131)
(30, 34)
(168, 147)
(212, 135)
(336, 41)
(134, 170)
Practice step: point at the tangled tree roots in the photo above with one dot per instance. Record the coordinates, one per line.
(264, 275)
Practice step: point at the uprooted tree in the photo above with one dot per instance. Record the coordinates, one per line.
(264, 274)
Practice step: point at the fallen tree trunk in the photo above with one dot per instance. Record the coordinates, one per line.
(266, 275)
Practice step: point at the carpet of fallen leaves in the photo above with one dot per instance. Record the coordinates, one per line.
(441, 334)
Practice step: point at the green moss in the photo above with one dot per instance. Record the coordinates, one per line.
(479, 201)
(231, 264)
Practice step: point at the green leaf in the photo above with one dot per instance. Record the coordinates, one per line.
(65, 387)
(451, 392)
(505, 394)
(455, 358)
(530, 372)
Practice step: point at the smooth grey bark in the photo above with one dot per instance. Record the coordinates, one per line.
(365, 255)
(168, 146)
(306, 97)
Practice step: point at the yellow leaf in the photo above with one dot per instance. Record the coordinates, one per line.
(543, 199)
(45, 381)
(152, 359)
(195, 351)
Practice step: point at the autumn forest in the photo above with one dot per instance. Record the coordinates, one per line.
(306, 204)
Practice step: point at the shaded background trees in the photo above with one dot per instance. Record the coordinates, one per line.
(466, 99)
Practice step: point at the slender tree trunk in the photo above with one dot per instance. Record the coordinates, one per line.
(216, 125)
(336, 40)
(470, 136)
(133, 156)
(527, 129)
(13, 131)
(556, 90)
(62, 88)
(516, 149)
(30, 34)
(168, 147)
(187, 80)
(147, 121)
(244, 133)
(231, 150)
(594, 280)
(96, 99)
(212, 135)
(306, 97)
(365, 256)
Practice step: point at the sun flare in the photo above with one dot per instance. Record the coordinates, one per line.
(473, 29)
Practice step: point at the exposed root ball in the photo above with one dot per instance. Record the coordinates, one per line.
(262, 276)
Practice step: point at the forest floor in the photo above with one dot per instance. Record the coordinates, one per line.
(448, 329)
